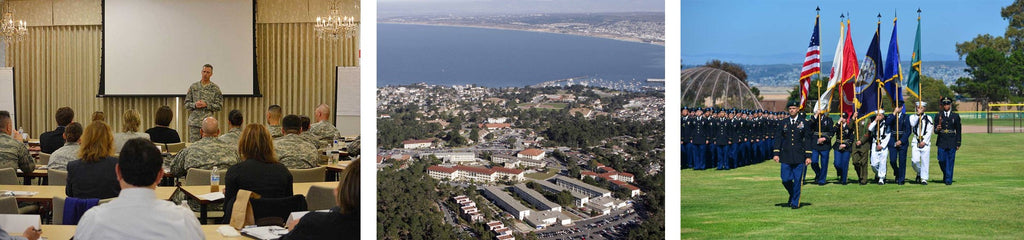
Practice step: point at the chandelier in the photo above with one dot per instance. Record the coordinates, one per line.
(335, 26)
(12, 30)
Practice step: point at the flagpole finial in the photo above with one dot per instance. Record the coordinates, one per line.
(817, 9)
(879, 18)
(919, 14)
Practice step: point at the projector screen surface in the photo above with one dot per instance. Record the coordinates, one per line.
(158, 47)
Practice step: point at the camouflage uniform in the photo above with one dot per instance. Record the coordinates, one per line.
(231, 137)
(211, 95)
(14, 154)
(275, 130)
(312, 139)
(295, 152)
(325, 131)
(204, 154)
(59, 159)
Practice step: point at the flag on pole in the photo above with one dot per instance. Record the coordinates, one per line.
(812, 64)
(893, 77)
(914, 78)
(871, 73)
(837, 73)
(850, 72)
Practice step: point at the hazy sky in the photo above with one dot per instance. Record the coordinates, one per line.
(761, 32)
(391, 8)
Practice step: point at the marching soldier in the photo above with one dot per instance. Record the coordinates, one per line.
(792, 149)
(899, 125)
(879, 145)
(822, 127)
(861, 149)
(947, 125)
(923, 127)
(844, 143)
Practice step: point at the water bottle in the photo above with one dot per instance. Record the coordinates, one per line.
(214, 180)
(24, 136)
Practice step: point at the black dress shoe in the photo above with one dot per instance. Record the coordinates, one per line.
(924, 183)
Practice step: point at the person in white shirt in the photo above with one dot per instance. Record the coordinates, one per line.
(879, 146)
(921, 146)
(136, 213)
(132, 120)
(69, 152)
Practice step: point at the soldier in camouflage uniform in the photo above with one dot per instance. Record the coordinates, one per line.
(322, 129)
(292, 150)
(274, 114)
(13, 153)
(206, 153)
(231, 137)
(202, 100)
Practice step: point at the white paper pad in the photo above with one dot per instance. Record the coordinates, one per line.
(214, 196)
(17, 223)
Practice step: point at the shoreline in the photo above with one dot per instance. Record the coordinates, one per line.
(631, 40)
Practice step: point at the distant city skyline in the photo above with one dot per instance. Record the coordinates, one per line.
(777, 32)
(392, 8)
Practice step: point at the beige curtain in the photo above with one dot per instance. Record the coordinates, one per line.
(59, 66)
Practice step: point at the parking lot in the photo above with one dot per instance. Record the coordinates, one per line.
(611, 226)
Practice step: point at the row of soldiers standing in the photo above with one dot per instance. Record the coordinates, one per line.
(730, 138)
(726, 138)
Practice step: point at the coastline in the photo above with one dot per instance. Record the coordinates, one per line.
(631, 40)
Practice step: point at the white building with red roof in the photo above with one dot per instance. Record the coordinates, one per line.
(531, 153)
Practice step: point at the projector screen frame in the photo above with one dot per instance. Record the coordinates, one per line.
(103, 44)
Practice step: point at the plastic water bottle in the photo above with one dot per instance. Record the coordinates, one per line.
(214, 180)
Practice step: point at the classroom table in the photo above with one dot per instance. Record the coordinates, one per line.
(63, 232)
(193, 191)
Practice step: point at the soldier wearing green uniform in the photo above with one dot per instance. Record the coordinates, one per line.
(321, 128)
(206, 153)
(861, 156)
(13, 152)
(294, 151)
(202, 100)
(235, 131)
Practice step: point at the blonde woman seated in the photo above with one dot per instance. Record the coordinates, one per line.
(132, 120)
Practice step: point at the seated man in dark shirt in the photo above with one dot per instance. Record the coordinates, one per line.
(52, 140)
(161, 133)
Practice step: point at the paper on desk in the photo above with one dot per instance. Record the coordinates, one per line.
(214, 196)
(298, 215)
(268, 232)
(17, 223)
(18, 193)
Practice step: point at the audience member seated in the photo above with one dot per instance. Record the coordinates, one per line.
(99, 116)
(136, 212)
(13, 153)
(259, 172)
(342, 221)
(92, 175)
(206, 153)
(162, 133)
(323, 129)
(52, 140)
(69, 152)
(235, 130)
(131, 123)
(274, 114)
(292, 150)
(306, 134)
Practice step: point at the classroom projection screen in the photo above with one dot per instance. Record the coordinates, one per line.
(158, 47)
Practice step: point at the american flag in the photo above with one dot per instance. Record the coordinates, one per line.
(812, 64)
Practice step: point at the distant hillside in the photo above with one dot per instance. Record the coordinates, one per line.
(785, 75)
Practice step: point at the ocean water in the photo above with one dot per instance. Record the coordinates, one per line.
(445, 55)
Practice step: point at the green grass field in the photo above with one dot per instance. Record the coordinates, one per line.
(542, 175)
(986, 201)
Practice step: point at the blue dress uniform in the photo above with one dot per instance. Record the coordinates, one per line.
(684, 136)
(722, 134)
(947, 126)
(821, 127)
(844, 135)
(792, 147)
(899, 125)
(699, 141)
(744, 129)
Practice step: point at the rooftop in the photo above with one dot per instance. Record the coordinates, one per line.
(531, 152)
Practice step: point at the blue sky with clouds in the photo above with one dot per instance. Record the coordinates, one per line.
(769, 32)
